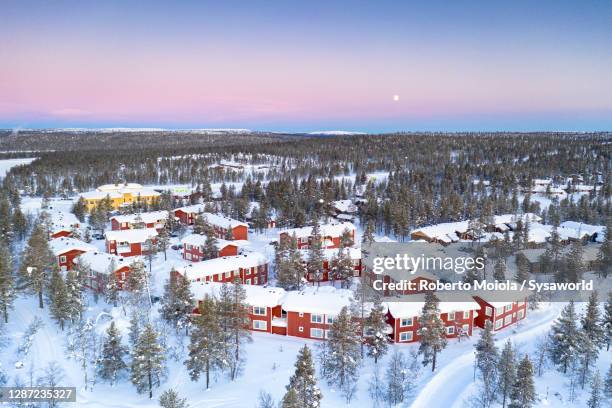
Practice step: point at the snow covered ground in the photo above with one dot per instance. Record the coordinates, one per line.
(7, 164)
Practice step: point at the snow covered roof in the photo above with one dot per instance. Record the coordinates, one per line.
(147, 217)
(345, 206)
(200, 240)
(223, 264)
(100, 261)
(66, 244)
(513, 218)
(222, 221)
(501, 298)
(62, 221)
(192, 209)
(584, 228)
(99, 195)
(321, 300)
(120, 187)
(445, 232)
(413, 305)
(331, 253)
(328, 230)
(264, 296)
(131, 235)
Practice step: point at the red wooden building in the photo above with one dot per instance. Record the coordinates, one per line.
(502, 309)
(187, 215)
(130, 242)
(62, 224)
(66, 249)
(155, 219)
(331, 234)
(251, 268)
(330, 257)
(102, 265)
(194, 244)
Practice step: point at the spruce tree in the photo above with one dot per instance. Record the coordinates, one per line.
(431, 331)
(375, 331)
(163, 240)
(112, 362)
(499, 273)
(506, 369)
(148, 359)
(113, 286)
(608, 383)
(604, 256)
(171, 399)
(487, 357)
(37, 262)
(314, 266)
(343, 268)
(177, 302)
(565, 338)
(206, 351)
(596, 399)
(7, 282)
(290, 400)
(235, 324)
(304, 382)
(523, 393)
(58, 298)
(607, 321)
(74, 296)
(592, 336)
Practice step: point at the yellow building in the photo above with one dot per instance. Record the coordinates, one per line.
(120, 195)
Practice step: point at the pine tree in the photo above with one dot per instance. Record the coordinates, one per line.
(574, 265)
(375, 331)
(163, 240)
(314, 265)
(177, 302)
(486, 362)
(113, 286)
(596, 399)
(304, 382)
(148, 361)
(290, 400)
(608, 383)
(58, 298)
(7, 282)
(607, 321)
(37, 262)
(134, 330)
(499, 273)
(368, 234)
(564, 338)
(211, 248)
(137, 279)
(523, 393)
(206, 351)
(604, 256)
(522, 271)
(592, 336)
(235, 324)
(79, 209)
(431, 331)
(344, 354)
(113, 353)
(506, 369)
(20, 223)
(170, 399)
(74, 296)
(265, 400)
(343, 268)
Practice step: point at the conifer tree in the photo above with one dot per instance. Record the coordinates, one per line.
(112, 362)
(499, 273)
(565, 338)
(37, 262)
(596, 399)
(171, 399)
(134, 330)
(506, 369)
(74, 296)
(522, 271)
(341, 368)
(58, 298)
(523, 393)
(604, 256)
(314, 266)
(592, 335)
(399, 382)
(235, 324)
(486, 362)
(608, 383)
(343, 268)
(113, 286)
(607, 321)
(304, 382)
(206, 351)
(431, 331)
(375, 331)
(20, 223)
(163, 240)
(7, 282)
(290, 400)
(177, 302)
(211, 249)
(148, 361)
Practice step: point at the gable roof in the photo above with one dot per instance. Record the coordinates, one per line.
(131, 235)
(62, 245)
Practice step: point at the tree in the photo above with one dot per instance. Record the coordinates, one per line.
(608, 383)
(177, 301)
(564, 338)
(235, 324)
(592, 336)
(523, 393)
(37, 262)
(344, 354)
(607, 321)
(343, 268)
(150, 251)
(170, 399)
(79, 209)
(522, 271)
(58, 298)
(163, 240)
(113, 286)
(604, 257)
(265, 400)
(211, 246)
(113, 353)
(375, 331)
(487, 363)
(399, 383)
(304, 382)
(290, 400)
(314, 266)
(7, 283)
(74, 298)
(431, 331)
(206, 350)
(596, 399)
(499, 273)
(148, 361)
(506, 369)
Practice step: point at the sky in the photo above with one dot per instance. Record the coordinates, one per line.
(374, 66)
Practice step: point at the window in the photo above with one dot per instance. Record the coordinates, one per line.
(248, 282)
(301, 329)
(406, 336)
(450, 330)
(499, 310)
(188, 256)
(255, 281)
(406, 322)
(63, 259)
(327, 334)
(466, 328)
(304, 240)
(488, 311)
(329, 319)
(316, 318)
(260, 325)
(316, 333)
(508, 320)
(521, 314)
(451, 316)
(498, 323)
(228, 274)
(259, 311)
(466, 314)
(122, 276)
(355, 273)
(508, 308)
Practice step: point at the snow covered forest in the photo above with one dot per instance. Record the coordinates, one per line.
(139, 330)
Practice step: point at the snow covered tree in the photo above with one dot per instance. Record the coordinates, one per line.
(7, 282)
(58, 298)
(37, 262)
(211, 248)
(113, 286)
(486, 362)
(573, 265)
(163, 241)
(607, 321)
(608, 383)
(177, 302)
(148, 361)
(506, 369)
(314, 266)
(303, 380)
(565, 338)
(377, 341)
(596, 399)
(368, 234)
(150, 252)
(134, 329)
(343, 268)
(265, 400)
(344, 354)
(235, 324)
(79, 209)
(376, 388)
(171, 399)
(499, 270)
(206, 350)
(431, 331)
(113, 352)
(592, 336)
(290, 400)
(74, 296)
(604, 256)
(399, 381)
(523, 393)
(522, 271)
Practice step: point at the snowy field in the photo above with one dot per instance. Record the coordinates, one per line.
(7, 164)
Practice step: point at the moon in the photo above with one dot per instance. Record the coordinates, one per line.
(395, 98)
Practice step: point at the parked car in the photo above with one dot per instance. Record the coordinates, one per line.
(176, 247)
(98, 236)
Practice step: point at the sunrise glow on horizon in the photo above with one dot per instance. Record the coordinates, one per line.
(305, 66)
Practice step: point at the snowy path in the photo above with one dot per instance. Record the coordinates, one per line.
(448, 384)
